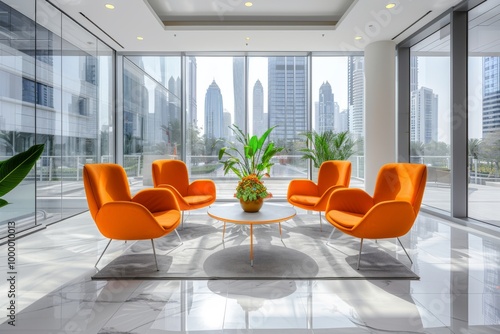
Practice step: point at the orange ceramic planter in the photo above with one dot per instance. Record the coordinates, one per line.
(252, 206)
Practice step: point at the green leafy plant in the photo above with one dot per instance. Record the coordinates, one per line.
(328, 145)
(250, 188)
(253, 157)
(15, 169)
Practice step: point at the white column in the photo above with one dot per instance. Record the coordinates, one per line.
(380, 108)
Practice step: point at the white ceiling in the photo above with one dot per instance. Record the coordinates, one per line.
(227, 25)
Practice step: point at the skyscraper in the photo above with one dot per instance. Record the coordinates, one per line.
(423, 119)
(287, 96)
(326, 116)
(214, 117)
(355, 95)
(259, 118)
(239, 91)
(491, 95)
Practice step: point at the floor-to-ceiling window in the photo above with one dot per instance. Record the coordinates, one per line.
(338, 103)
(484, 113)
(430, 123)
(151, 114)
(253, 93)
(57, 89)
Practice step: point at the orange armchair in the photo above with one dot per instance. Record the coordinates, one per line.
(306, 194)
(150, 214)
(390, 213)
(173, 175)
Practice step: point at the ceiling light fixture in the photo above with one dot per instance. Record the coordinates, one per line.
(140, 38)
(390, 5)
(109, 6)
(358, 38)
(248, 4)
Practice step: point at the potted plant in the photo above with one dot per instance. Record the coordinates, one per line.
(15, 169)
(251, 193)
(249, 160)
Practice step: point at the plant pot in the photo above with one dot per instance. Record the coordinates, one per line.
(251, 206)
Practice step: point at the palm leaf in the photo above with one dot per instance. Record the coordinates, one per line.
(15, 169)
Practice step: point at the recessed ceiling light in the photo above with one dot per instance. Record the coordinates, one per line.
(247, 38)
(248, 4)
(358, 38)
(140, 38)
(390, 5)
(110, 6)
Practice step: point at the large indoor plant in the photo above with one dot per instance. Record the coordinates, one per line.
(328, 145)
(249, 158)
(15, 169)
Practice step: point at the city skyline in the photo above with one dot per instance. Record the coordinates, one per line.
(221, 69)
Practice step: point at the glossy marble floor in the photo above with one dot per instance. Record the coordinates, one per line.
(459, 291)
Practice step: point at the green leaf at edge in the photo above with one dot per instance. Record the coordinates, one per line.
(15, 169)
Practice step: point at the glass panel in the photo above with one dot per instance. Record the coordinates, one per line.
(430, 115)
(215, 99)
(288, 105)
(338, 104)
(49, 111)
(484, 113)
(17, 105)
(152, 113)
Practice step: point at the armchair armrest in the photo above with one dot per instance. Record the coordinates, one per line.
(180, 199)
(124, 220)
(156, 199)
(302, 187)
(352, 200)
(323, 201)
(389, 219)
(202, 187)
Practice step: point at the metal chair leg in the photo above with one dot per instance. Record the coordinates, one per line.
(405, 251)
(95, 265)
(359, 255)
(154, 253)
(178, 236)
(182, 220)
(320, 222)
(331, 234)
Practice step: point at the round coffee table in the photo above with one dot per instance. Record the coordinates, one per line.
(268, 214)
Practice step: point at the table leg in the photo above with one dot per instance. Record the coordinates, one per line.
(281, 236)
(223, 231)
(251, 245)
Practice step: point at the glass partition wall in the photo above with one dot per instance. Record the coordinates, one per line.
(57, 89)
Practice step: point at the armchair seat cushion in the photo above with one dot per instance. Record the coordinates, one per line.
(344, 219)
(168, 219)
(304, 200)
(199, 199)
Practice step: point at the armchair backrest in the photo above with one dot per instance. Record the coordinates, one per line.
(401, 181)
(334, 173)
(172, 172)
(104, 183)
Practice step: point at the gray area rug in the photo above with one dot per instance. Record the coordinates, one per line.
(302, 253)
